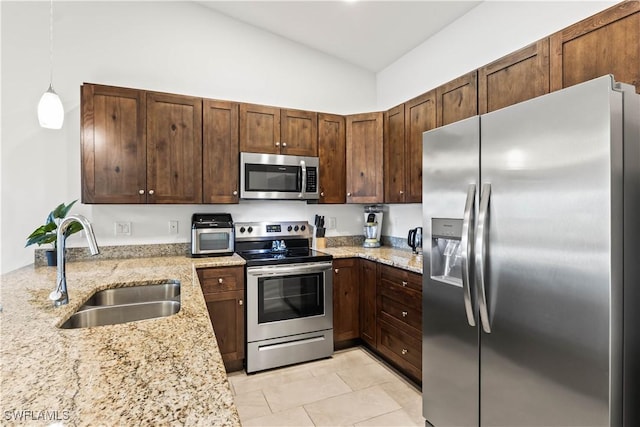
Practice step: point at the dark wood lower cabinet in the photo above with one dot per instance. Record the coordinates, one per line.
(368, 279)
(346, 324)
(223, 290)
(403, 349)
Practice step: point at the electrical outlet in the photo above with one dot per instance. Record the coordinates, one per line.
(331, 225)
(173, 226)
(122, 228)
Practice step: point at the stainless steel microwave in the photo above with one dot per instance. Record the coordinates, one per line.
(275, 176)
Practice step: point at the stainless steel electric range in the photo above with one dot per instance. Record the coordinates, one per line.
(289, 299)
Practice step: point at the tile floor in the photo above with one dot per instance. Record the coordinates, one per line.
(353, 388)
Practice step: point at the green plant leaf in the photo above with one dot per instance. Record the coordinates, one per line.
(47, 233)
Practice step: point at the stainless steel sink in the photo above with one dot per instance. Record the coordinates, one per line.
(128, 304)
(165, 291)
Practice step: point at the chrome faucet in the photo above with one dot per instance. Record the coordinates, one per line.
(60, 296)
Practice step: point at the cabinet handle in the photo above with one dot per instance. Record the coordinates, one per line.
(277, 144)
(405, 351)
(337, 270)
(349, 194)
(404, 283)
(404, 314)
(322, 193)
(240, 302)
(235, 193)
(151, 192)
(284, 144)
(401, 192)
(141, 192)
(220, 280)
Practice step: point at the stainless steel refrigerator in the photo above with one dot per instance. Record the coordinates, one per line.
(531, 284)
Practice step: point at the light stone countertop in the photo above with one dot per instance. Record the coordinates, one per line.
(165, 371)
(395, 257)
(155, 372)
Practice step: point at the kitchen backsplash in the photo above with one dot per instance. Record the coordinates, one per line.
(183, 249)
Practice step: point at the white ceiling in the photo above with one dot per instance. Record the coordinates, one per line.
(370, 34)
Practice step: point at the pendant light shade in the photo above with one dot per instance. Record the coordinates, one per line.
(50, 109)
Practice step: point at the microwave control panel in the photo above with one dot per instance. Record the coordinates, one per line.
(312, 180)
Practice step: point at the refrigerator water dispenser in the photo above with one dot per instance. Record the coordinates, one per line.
(446, 255)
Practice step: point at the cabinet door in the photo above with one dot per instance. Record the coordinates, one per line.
(346, 322)
(259, 129)
(368, 284)
(420, 116)
(457, 99)
(606, 43)
(364, 158)
(394, 155)
(332, 153)
(299, 133)
(519, 76)
(220, 159)
(114, 157)
(226, 310)
(174, 148)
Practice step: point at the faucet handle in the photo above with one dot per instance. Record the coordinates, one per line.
(55, 295)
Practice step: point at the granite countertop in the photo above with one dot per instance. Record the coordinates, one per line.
(158, 371)
(401, 258)
(155, 372)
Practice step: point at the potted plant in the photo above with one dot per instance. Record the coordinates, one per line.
(47, 233)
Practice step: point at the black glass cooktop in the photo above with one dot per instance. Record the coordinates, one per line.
(290, 256)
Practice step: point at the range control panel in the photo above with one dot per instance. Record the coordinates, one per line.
(272, 230)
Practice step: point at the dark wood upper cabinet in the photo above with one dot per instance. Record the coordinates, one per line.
(174, 148)
(457, 99)
(332, 154)
(605, 43)
(113, 144)
(259, 129)
(420, 116)
(394, 155)
(519, 76)
(220, 161)
(365, 158)
(265, 129)
(299, 133)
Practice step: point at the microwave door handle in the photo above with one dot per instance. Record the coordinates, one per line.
(303, 167)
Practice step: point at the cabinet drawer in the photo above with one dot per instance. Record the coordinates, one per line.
(402, 294)
(401, 348)
(221, 279)
(401, 315)
(402, 278)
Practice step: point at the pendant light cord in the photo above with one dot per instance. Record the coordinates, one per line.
(51, 44)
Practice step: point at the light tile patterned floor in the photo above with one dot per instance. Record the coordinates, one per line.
(353, 388)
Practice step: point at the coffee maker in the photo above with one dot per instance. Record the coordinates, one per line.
(372, 226)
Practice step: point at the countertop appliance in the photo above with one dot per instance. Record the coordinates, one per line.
(289, 294)
(530, 217)
(414, 240)
(275, 176)
(212, 234)
(372, 226)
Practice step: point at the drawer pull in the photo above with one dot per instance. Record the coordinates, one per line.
(404, 283)
(220, 280)
(404, 351)
(405, 313)
(337, 270)
(240, 302)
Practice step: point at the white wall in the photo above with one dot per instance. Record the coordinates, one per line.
(485, 33)
(178, 47)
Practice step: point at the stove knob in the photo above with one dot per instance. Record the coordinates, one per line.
(295, 228)
(250, 229)
(289, 228)
(242, 229)
(303, 227)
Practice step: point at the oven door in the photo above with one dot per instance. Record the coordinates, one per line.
(289, 299)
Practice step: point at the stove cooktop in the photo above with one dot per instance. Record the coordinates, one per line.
(290, 256)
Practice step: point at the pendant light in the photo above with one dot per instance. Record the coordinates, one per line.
(50, 110)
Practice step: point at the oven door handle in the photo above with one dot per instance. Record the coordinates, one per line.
(278, 270)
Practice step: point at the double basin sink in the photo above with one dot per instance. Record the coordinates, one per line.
(127, 304)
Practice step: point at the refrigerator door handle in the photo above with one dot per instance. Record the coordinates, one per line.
(465, 249)
(480, 249)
